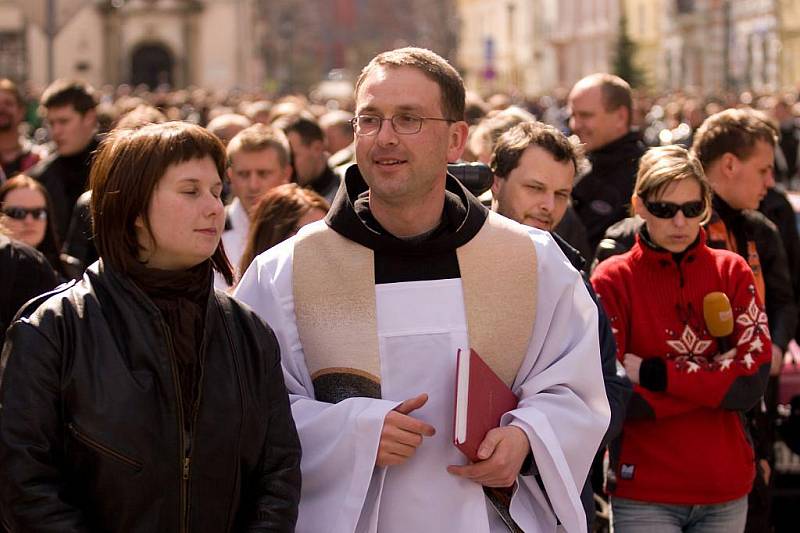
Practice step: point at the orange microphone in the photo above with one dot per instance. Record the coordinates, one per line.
(718, 315)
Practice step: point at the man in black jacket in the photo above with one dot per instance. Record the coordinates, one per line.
(601, 107)
(70, 112)
(534, 166)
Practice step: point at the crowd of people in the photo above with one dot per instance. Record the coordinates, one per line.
(221, 312)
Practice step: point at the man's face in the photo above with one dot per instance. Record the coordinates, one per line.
(305, 157)
(404, 169)
(71, 131)
(590, 121)
(751, 177)
(10, 112)
(254, 173)
(537, 191)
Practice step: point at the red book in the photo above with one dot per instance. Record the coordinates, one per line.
(481, 400)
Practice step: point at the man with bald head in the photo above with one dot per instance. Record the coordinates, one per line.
(601, 107)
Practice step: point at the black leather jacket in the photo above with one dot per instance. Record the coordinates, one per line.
(91, 436)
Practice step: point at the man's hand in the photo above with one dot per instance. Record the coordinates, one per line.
(632, 363)
(777, 361)
(766, 471)
(501, 455)
(402, 434)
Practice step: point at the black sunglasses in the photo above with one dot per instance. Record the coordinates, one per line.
(19, 213)
(670, 209)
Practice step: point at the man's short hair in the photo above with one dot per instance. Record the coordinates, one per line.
(225, 120)
(304, 126)
(434, 67)
(734, 131)
(260, 137)
(11, 87)
(139, 116)
(63, 92)
(615, 92)
(511, 145)
(339, 118)
(483, 137)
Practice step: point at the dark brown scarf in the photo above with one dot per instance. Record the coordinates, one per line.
(181, 296)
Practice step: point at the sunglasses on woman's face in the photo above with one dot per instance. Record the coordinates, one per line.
(19, 213)
(670, 209)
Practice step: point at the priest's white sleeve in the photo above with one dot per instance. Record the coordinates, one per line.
(563, 405)
(339, 441)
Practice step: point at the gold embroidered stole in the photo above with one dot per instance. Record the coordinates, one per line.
(335, 310)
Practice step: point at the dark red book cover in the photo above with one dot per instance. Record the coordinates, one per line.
(481, 400)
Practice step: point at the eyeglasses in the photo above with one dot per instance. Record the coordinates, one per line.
(403, 123)
(670, 209)
(19, 213)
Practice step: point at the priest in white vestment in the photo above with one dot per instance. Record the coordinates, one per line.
(371, 305)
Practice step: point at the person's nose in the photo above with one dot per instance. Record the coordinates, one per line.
(386, 135)
(548, 203)
(253, 182)
(769, 180)
(679, 220)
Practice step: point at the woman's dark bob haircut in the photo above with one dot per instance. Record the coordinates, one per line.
(128, 166)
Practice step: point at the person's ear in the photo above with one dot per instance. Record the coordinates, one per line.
(622, 118)
(90, 118)
(729, 164)
(497, 184)
(638, 205)
(458, 133)
(286, 174)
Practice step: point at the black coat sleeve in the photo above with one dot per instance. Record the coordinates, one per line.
(278, 484)
(780, 299)
(32, 483)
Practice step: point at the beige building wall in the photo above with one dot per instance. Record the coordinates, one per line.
(645, 28)
(583, 38)
(516, 28)
(212, 42)
(755, 46)
(789, 36)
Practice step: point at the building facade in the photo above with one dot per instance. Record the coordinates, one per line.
(788, 15)
(504, 45)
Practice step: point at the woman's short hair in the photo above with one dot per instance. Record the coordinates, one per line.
(663, 165)
(128, 166)
(50, 245)
(276, 216)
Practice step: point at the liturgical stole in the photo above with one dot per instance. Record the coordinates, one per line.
(335, 309)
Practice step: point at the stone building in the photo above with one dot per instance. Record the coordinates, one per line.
(211, 43)
(504, 45)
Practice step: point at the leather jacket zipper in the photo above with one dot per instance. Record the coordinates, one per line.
(102, 448)
(183, 452)
(186, 438)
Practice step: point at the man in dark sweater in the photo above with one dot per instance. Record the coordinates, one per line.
(70, 112)
(601, 107)
(534, 166)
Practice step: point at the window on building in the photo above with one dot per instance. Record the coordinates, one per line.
(12, 55)
(684, 6)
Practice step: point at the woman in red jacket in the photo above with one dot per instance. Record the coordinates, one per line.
(683, 462)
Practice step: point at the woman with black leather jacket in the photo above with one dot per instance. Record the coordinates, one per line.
(138, 399)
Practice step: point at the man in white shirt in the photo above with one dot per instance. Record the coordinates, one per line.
(259, 161)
